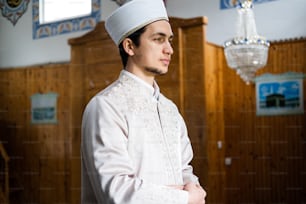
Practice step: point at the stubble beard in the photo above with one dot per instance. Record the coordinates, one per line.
(155, 71)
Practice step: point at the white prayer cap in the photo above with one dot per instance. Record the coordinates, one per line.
(132, 16)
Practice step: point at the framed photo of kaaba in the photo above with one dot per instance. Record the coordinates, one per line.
(279, 94)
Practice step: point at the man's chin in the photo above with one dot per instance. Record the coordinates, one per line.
(156, 71)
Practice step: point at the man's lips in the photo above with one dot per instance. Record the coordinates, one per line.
(165, 61)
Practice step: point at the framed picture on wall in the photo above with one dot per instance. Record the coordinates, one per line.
(44, 108)
(280, 94)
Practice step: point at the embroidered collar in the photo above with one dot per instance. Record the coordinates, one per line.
(154, 90)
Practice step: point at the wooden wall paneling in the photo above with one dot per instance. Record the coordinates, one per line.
(15, 96)
(59, 79)
(289, 131)
(197, 71)
(94, 82)
(268, 162)
(235, 105)
(214, 122)
(107, 64)
(94, 70)
(8, 125)
(102, 51)
(31, 146)
(4, 177)
(189, 76)
(46, 144)
(94, 65)
(172, 78)
(76, 106)
(37, 166)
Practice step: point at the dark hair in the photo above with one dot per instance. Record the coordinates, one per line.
(135, 37)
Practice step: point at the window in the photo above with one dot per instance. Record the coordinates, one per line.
(54, 17)
(55, 10)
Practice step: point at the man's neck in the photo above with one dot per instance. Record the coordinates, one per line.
(142, 74)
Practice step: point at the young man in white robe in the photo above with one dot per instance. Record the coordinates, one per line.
(135, 147)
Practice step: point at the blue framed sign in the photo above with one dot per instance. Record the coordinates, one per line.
(44, 108)
(227, 4)
(280, 94)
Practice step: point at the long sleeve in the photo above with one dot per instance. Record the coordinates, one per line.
(107, 163)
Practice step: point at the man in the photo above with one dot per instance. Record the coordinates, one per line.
(135, 147)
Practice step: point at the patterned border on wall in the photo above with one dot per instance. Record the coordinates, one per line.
(226, 4)
(13, 10)
(66, 26)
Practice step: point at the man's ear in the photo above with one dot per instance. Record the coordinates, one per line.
(128, 46)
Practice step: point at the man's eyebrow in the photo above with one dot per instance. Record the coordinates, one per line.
(162, 34)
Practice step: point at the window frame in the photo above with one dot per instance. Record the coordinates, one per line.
(65, 26)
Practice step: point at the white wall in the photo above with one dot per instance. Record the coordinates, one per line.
(17, 48)
(276, 20)
(279, 19)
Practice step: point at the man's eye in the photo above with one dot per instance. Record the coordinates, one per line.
(159, 40)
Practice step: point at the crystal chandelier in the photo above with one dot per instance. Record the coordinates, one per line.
(247, 52)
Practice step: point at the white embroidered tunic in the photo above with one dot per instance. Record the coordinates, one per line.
(134, 144)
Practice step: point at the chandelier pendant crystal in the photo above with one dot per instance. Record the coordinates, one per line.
(247, 52)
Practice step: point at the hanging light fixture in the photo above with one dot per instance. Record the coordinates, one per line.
(247, 52)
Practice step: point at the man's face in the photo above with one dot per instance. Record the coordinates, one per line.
(154, 52)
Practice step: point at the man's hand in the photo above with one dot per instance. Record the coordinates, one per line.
(196, 193)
